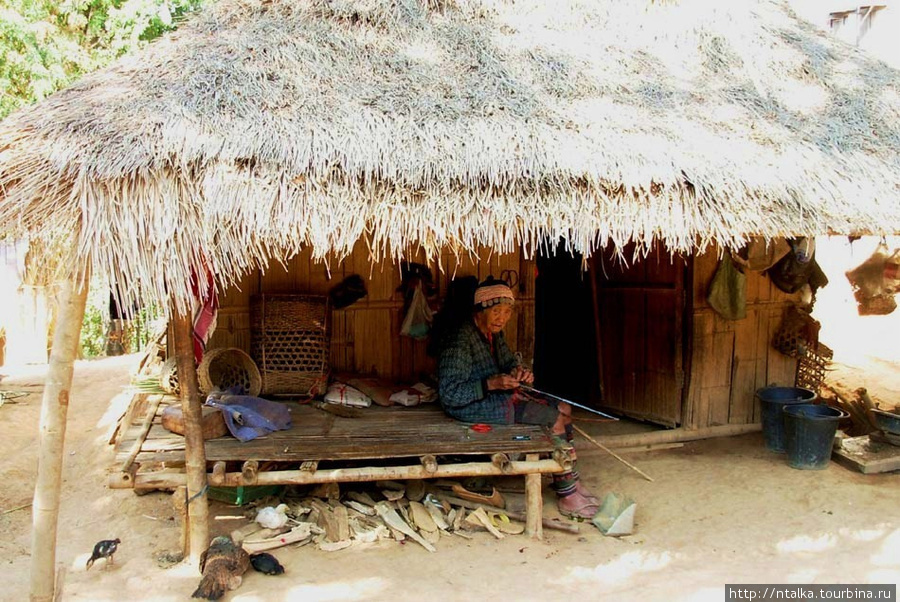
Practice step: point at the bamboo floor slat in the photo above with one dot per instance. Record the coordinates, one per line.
(378, 433)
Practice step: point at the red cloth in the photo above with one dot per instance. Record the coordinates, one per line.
(206, 310)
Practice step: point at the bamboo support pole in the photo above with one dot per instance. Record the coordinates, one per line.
(612, 453)
(179, 503)
(501, 461)
(170, 478)
(534, 502)
(54, 405)
(217, 477)
(249, 472)
(429, 463)
(194, 450)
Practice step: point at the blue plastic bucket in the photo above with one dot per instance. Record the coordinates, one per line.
(809, 434)
(772, 401)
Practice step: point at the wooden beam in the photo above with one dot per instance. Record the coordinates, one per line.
(54, 405)
(677, 435)
(145, 428)
(170, 478)
(195, 451)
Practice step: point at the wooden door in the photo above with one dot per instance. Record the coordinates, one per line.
(640, 330)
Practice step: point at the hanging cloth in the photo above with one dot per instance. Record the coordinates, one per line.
(728, 291)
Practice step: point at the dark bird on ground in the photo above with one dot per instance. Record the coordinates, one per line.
(104, 549)
(266, 563)
(223, 565)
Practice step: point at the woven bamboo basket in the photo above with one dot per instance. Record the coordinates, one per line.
(290, 343)
(168, 377)
(224, 369)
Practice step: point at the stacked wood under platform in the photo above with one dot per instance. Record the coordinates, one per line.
(380, 444)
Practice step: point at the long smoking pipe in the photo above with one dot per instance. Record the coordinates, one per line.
(558, 398)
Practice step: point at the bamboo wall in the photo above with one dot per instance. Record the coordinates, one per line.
(730, 360)
(365, 337)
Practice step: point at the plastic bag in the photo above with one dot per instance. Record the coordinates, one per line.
(346, 395)
(728, 291)
(418, 317)
(874, 283)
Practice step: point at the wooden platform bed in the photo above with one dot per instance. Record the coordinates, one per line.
(382, 443)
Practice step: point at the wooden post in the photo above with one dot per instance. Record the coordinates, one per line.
(54, 405)
(179, 503)
(194, 450)
(534, 502)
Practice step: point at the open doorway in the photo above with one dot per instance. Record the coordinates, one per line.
(565, 348)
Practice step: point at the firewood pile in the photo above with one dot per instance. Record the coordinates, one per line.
(334, 519)
(857, 403)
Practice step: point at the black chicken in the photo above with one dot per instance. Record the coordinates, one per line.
(104, 549)
(266, 563)
(223, 565)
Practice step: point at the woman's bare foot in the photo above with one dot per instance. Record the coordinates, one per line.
(583, 490)
(577, 505)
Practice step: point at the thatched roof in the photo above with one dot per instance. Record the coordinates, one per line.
(264, 126)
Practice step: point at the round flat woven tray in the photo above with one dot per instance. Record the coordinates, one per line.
(226, 368)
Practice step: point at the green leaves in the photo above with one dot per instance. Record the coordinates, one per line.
(47, 44)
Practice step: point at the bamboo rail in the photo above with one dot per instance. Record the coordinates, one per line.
(164, 479)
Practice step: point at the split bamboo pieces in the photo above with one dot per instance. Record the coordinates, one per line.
(423, 521)
(334, 520)
(480, 518)
(435, 509)
(463, 504)
(394, 521)
(298, 534)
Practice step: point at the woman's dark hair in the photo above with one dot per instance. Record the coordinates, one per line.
(455, 311)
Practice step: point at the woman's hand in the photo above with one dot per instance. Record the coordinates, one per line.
(502, 382)
(523, 375)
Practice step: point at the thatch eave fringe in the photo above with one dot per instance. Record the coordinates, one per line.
(263, 127)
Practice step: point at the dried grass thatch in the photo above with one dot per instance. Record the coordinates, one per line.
(264, 126)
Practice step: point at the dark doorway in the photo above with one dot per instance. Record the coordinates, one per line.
(565, 350)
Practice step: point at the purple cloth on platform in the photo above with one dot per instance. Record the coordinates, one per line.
(250, 417)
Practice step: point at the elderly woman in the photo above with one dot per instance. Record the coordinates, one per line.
(479, 379)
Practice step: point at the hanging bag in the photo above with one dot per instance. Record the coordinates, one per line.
(728, 291)
(418, 317)
(873, 282)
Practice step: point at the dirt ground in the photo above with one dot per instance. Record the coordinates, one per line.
(718, 511)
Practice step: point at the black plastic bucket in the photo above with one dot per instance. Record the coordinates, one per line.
(772, 401)
(809, 434)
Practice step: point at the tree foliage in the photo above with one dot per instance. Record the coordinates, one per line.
(47, 44)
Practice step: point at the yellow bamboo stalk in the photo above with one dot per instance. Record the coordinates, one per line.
(54, 406)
